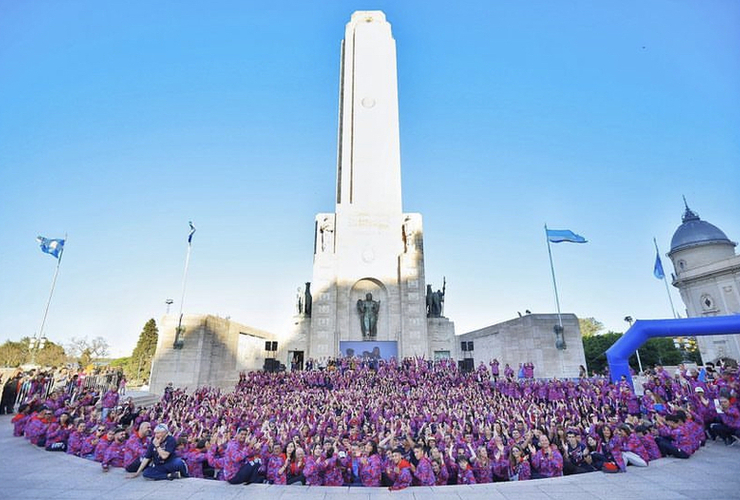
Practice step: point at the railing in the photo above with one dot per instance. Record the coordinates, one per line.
(33, 387)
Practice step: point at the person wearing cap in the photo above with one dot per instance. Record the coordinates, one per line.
(160, 460)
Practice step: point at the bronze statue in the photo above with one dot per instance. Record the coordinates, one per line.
(308, 301)
(368, 310)
(435, 300)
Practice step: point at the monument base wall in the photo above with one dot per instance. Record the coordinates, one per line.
(214, 350)
(441, 334)
(528, 339)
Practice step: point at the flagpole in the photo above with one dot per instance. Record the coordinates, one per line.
(554, 282)
(40, 334)
(665, 282)
(182, 295)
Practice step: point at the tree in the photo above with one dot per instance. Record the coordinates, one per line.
(656, 351)
(140, 363)
(95, 349)
(51, 355)
(85, 358)
(15, 353)
(594, 349)
(590, 326)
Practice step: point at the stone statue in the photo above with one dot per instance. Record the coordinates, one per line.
(299, 300)
(308, 300)
(326, 233)
(435, 300)
(368, 310)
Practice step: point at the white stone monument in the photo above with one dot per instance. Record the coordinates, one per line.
(369, 254)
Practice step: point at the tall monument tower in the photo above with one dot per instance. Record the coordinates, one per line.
(368, 274)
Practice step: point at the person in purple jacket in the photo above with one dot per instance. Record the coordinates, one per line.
(400, 471)
(312, 469)
(58, 434)
(77, 438)
(240, 460)
(519, 468)
(547, 461)
(136, 446)
(422, 471)
(114, 452)
(728, 428)
(110, 400)
(465, 473)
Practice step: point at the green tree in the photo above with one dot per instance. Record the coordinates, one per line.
(15, 353)
(660, 351)
(86, 357)
(590, 327)
(140, 363)
(51, 355)
(595, 347)
(656, 351)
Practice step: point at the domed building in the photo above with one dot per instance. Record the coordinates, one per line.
(707, 274)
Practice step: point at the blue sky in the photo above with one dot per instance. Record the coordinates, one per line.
(119, 122)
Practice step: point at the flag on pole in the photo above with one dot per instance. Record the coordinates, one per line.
(658, 268)
(53, 247)
(561, 235)
(192, 232)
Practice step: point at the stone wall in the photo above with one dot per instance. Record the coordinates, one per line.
(212, 353)
(528, 339)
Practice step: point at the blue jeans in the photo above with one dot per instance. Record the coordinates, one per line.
(162, 471)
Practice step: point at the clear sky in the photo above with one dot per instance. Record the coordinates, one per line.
(121, 121)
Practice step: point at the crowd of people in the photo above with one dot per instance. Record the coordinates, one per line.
(393, 423)
(19, 386)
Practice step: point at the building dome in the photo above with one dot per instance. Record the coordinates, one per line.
(695, 232)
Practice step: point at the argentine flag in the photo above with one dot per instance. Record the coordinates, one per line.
(192, 232)
(658, 267)
(52, 247)
(561, 235)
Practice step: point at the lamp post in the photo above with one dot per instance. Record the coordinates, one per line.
(169, 302)
(35, 344)
(629, 320)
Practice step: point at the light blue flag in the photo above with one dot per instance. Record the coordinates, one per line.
(658, 268)
(192, 232)
(561, 235)
(52, 247)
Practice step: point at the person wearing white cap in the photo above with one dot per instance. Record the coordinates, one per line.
(160, 460)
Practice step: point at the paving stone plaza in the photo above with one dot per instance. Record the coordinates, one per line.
(35, 474)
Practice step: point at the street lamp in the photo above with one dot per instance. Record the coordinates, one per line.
(629, 320)
(36, 344)
(169, 302)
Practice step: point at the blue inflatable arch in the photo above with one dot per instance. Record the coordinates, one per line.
(643, 330)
